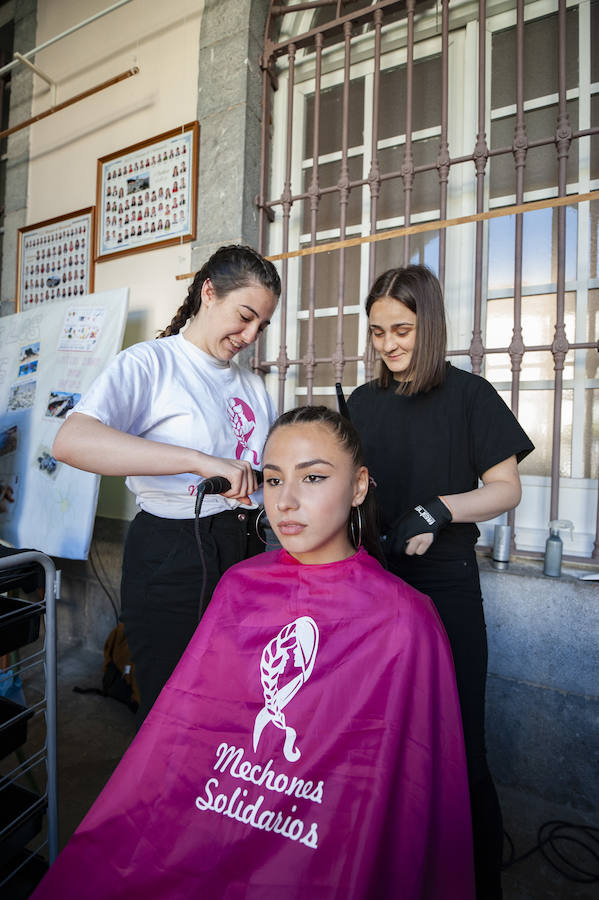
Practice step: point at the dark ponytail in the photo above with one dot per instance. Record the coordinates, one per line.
(349, 439)
(231, 267)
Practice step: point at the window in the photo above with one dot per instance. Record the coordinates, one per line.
(367, 107)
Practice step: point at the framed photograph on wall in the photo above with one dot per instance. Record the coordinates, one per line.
(55, 259)
(147, 194)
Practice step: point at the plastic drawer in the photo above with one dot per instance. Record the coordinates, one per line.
(12, 734)
(19, 623)
(21, 816)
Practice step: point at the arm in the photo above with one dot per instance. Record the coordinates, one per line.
(500, 492)
(88, 444)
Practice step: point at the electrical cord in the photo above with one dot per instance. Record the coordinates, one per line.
(548, 836)
(216, 485)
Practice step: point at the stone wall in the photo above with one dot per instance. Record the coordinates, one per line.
(543, 684)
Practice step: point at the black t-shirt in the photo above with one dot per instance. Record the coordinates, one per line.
(438, 442)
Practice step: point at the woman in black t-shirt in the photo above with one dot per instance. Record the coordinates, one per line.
(430, 433)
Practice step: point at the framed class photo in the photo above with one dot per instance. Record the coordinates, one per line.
(147, 194)
(55, 259)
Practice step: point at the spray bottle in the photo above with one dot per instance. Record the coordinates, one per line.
(554, 547)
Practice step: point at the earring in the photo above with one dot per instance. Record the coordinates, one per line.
(258, 517)
(357, 542)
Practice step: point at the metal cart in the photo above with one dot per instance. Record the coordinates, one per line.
(18, 628)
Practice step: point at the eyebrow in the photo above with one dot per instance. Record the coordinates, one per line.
(395, 325)
(303, 465)
(245, 306)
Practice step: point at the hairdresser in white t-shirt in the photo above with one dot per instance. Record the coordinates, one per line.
(166, 413)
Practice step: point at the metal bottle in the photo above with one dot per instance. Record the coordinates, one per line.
(554, 547)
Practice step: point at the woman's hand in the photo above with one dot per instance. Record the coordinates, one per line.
(419, 544)
(237, 471)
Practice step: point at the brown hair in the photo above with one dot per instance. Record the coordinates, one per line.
(418, 289)
(349, 439)
(231, 267)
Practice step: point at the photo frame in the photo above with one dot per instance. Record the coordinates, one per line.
(55, 259)
(147, 194)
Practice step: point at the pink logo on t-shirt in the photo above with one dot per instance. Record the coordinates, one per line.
(243, 422)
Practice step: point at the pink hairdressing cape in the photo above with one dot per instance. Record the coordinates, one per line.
(308, 745)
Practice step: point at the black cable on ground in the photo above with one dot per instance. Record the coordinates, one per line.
(551, 838)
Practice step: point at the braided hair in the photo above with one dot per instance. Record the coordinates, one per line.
(231, 267)
(349, 439)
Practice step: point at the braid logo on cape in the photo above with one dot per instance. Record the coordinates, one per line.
(308, 745)
(298, 642)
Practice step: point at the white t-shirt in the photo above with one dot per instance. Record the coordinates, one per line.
(170, 391)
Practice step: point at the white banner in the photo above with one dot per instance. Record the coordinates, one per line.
(48, 358)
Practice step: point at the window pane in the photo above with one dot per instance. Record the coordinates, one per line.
(327, 279)
(497, 368)
(502, 234)
(591, 433)
(594, 44)
(426, 99)
(592, 356)
(424, 248)
(541, 171)
(539, 257)
(540, 59)
(328, 207)
(331, 118)
(538, 315)
(539, 248)
(425, 190)
(535, 414)
(325, 334)
(594, 236)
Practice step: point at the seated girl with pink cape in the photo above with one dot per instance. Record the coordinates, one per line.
(309, 743)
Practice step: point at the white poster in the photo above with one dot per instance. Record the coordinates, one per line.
(48, 359)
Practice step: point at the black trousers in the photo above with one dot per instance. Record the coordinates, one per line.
(454, 587)
(161, 586)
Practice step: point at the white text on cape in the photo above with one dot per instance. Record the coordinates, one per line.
(231, 758)
(236, 807)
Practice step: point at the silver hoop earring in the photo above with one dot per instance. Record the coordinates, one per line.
(258, 517)
(357, 542)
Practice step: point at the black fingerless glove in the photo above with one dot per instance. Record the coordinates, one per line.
(427, 518)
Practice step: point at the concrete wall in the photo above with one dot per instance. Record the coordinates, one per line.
(543, 685)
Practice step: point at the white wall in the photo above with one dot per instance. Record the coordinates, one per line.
(162, 38)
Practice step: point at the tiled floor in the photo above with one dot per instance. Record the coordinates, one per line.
(95, 731)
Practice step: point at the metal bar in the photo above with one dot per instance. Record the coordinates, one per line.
(314, 193)
(407, 167)
(263, 212)
(283, 362)
(82, 96)
(63, 34)
(300, 7)
(344, 190)
(516, 348)
(481, 154)
(358, 17)
(563, 137)
(374, 175)
(443, 157)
